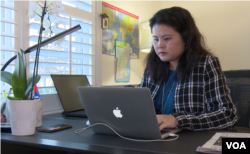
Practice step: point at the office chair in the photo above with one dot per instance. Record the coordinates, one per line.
(239, 83)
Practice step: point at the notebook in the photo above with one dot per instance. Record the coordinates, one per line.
(129, 111)
(66, 87)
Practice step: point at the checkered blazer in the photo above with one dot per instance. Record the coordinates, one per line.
(202, 101)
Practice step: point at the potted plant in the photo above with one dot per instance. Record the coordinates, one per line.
(22, 111)
(23, 108)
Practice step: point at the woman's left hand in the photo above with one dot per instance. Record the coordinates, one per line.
(166, 121)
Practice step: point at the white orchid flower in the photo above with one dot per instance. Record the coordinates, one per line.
(60, 7)
(39, 8)
(46, 32)
(49, 3)
(59, 41)
(32, 7)
(53, 7)
(50, 7)
(31, 13)
(59, 22)
(46, 23)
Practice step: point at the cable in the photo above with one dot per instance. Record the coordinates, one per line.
(82, 129)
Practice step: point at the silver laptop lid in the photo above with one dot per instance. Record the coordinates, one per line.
(129, 111)
(66, 87)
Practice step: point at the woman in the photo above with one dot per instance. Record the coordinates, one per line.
(186, 81)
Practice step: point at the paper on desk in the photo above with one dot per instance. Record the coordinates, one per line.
(3, 98)
(5, 119)
(214, 145)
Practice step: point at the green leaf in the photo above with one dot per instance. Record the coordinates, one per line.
(6, 77)
(38, 15)
(12, 98)
(23, 58)
(18, 79)
(40, 5)
(29, 80)
(19, 92)
(20, 71)
(29, 83)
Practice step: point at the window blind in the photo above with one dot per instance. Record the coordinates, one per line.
(9, 43)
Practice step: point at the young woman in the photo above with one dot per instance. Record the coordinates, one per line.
(186, 81)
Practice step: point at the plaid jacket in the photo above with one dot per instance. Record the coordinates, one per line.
(202, 101)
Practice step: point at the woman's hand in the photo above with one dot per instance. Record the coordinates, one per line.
(166, 121)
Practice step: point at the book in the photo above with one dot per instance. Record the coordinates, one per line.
(214, 145)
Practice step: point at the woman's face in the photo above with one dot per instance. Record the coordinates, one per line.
(167, 43)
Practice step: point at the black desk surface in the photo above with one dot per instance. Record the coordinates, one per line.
(66, 141)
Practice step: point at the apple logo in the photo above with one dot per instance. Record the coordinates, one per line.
(117, 113)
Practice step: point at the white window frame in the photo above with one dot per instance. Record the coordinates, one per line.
(15, 37)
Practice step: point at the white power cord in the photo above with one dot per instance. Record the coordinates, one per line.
(82, 129)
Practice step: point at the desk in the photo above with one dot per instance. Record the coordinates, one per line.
(66, 141)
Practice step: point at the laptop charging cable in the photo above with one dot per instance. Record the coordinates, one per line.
(160, 140)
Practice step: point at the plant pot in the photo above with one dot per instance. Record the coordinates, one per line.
(40, 113)
(23, 116)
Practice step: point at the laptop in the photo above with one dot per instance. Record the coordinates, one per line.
(129, 111)
(66, 87)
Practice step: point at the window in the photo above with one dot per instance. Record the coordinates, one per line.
(8, 47)
(76, 53)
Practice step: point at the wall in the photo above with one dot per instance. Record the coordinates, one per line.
(141, 9)
(225, 26)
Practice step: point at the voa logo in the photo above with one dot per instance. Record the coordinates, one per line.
(236, 145)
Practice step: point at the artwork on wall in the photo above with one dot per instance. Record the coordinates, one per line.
(122, 54)
(122, 26)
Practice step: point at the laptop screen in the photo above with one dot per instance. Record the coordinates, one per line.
(66, 87)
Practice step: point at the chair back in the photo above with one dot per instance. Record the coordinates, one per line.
(239, 83)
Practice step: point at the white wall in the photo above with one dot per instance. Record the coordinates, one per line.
(145, 10)
(224, 24)
(226, 27)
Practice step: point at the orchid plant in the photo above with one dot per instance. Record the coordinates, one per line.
(53, 8)
(43, 12)
(38, 11)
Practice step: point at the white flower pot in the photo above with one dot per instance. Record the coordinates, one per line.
(23, 116)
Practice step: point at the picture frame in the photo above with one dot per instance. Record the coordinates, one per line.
(104, 23)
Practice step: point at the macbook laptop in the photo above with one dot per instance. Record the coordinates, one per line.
(66, 87)
(129, 111)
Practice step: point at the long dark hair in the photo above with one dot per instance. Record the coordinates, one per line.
(181, 21)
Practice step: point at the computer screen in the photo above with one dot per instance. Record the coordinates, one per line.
(66, 87)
